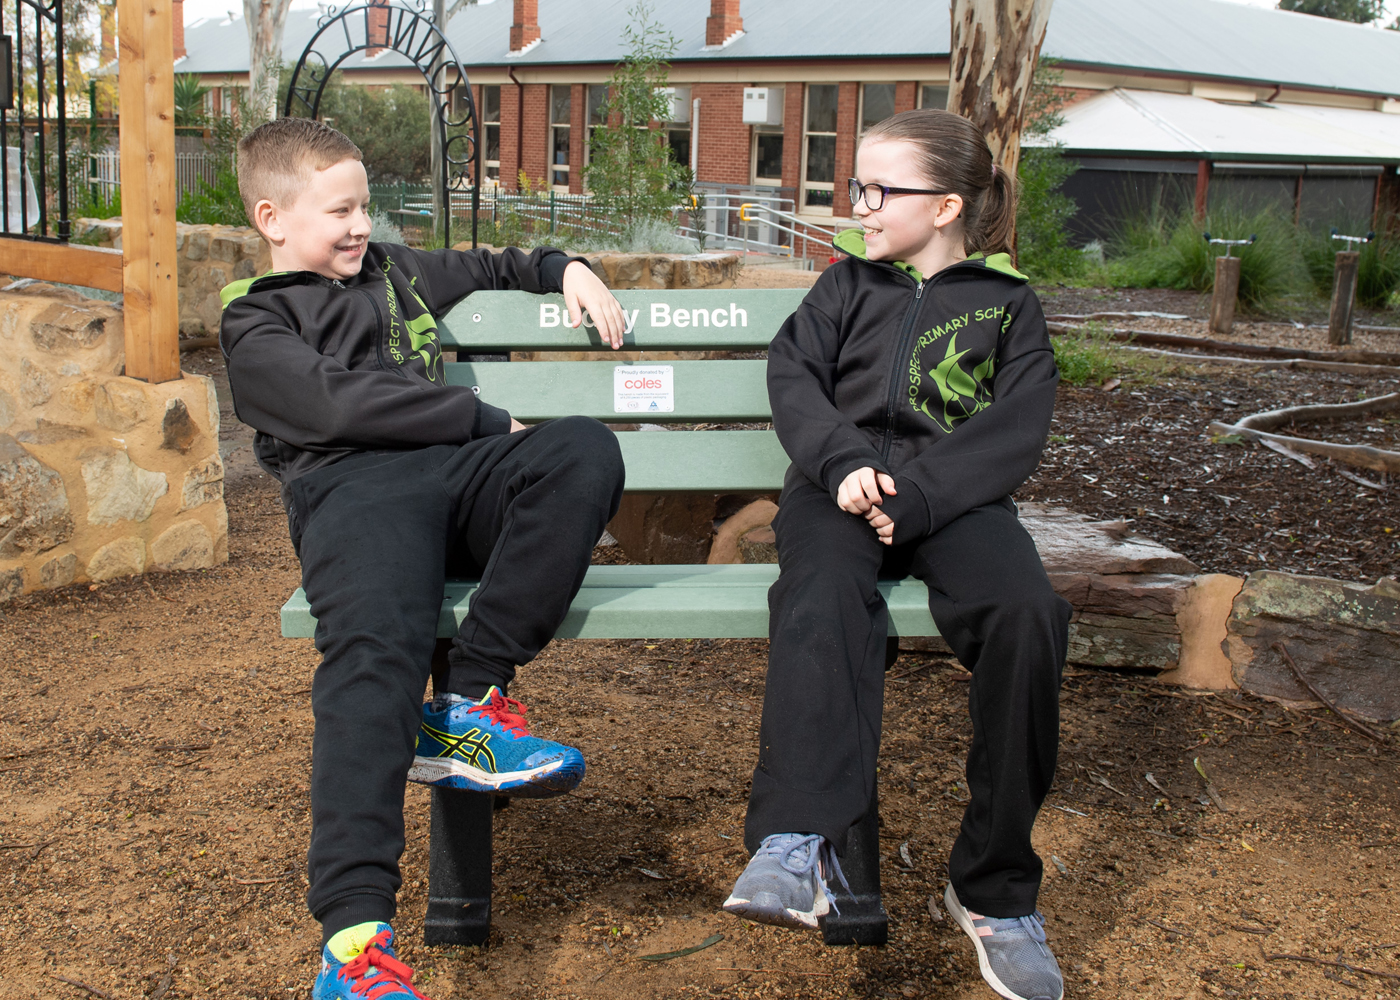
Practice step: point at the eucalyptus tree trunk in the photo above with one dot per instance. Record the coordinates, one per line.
(265, 20)
(995, 45)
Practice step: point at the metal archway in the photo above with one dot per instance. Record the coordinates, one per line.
(408, 29)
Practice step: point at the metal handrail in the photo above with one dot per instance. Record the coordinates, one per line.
(778, 219)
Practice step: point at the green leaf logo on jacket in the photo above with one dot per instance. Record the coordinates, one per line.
(947, 384)
(421, 330)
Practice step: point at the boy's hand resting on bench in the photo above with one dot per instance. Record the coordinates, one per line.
(583, 291)
(861, 493)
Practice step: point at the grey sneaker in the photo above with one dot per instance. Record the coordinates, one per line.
(785, 882)
(1013, 955)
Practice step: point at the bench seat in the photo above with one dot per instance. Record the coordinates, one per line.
(660, 602)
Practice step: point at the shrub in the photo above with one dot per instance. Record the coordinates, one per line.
(1085, 356)
(1152, 250)
(1378, 270)
(1043, 211)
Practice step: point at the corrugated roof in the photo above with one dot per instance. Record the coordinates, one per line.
(1202, 38)
(1153, 123)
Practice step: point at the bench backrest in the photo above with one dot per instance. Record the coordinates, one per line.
(718, 391)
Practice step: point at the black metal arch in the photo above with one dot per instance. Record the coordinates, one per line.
(407, 28)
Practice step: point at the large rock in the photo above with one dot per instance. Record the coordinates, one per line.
(183, 545)
(117, 488)
(34, 515)
(124, 557)
(1344, 637)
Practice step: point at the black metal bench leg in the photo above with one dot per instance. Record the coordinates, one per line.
(459, 868)
(862, 919)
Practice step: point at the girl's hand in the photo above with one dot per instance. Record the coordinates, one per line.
(861, 489)
(583, 290)
(880, 521)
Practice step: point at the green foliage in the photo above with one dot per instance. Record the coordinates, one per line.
(217, 204)
(1085, 356)
(390, 125)
(1378, 270)
(1153, 250)
(1043, 248)
(1358, 11)
(189, 100)
(631, 170)
(87, 202)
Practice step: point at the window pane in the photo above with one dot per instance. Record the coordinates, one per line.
(935, 97)
(493, 142)
(561, 147)
(769, 161)
(679, 141)
(824, 199)
(491, 101)
(559, 105)
(821, 158)
(877, 104)
(821, 107)
(597, 97)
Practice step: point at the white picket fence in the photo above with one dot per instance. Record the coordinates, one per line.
(190, 168)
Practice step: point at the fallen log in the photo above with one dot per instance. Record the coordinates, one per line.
(1267, 420)
(1226, 346)
(1295, 364)
(1256, 427)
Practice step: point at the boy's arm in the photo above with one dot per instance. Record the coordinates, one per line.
(822, 442)
(284, 387)
(448, 276)
(994, 451)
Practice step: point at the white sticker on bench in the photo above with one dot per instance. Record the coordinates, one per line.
(638, 389)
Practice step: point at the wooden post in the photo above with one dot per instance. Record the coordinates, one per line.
(1227, 290)
(150, 288)
(1343, 297)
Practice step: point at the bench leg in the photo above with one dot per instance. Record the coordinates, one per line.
(459, 868)
(862, 919)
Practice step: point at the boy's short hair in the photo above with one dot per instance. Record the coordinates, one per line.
(276, 160)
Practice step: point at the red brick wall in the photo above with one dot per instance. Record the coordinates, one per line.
(905, 96)
(534, 150)
(724, 20)
(510, 95)
(526, 28)
(578, 135)
(793, 97)
(846, 103)
(724, 138)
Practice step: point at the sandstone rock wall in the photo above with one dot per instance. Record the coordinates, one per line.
(209, 258)
(101, 476)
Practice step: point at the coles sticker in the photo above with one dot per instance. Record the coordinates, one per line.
(638, 389)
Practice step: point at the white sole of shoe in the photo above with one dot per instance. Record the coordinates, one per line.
(431, 770)
(959, 913)
(778, 916)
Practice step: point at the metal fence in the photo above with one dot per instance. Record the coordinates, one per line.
(105, 173)
(509, 216)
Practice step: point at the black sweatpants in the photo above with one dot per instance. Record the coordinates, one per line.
(377, 534)
(820, 733)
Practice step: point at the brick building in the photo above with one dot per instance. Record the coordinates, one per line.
(772, 95)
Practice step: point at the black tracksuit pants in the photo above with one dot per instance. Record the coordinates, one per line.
(377, 534)
(820, 733)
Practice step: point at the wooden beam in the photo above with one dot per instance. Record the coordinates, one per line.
(91, 267)
(150, 287)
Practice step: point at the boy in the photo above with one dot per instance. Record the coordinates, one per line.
(391, 478)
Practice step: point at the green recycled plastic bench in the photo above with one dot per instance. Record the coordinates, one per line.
(646, 602)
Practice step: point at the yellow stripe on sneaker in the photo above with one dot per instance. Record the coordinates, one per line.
(352, 941)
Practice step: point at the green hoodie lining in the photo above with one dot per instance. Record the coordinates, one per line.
(237, 289)
(852, 241)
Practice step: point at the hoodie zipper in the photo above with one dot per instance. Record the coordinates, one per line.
(892, 403)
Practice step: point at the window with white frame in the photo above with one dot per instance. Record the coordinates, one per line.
(876, 104)
(819, 147)
(933, 96)
(767, 155)
(560, 108)
(491, 129)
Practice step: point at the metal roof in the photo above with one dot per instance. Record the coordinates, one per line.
(1152, 123)
(1197, 38)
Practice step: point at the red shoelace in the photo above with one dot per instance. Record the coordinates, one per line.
(393, 976)
(505, 712)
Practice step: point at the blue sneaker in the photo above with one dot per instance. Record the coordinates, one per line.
(785, 882)
(368, 969)
(484, 746)
(1011, 952)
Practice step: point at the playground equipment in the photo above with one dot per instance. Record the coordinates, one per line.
(1227, 284)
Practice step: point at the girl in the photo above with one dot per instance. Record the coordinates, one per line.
(913, 391)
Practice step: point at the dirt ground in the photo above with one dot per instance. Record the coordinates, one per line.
(156, 736)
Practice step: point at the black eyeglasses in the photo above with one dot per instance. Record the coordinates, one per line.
(875, 194)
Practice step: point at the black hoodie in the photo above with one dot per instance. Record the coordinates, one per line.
(322, 369)
(946, 383)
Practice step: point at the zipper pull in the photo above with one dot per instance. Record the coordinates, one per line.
(336, 283)
(919, 292)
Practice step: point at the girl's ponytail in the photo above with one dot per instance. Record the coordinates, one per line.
(995, 228)
(953, 156)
